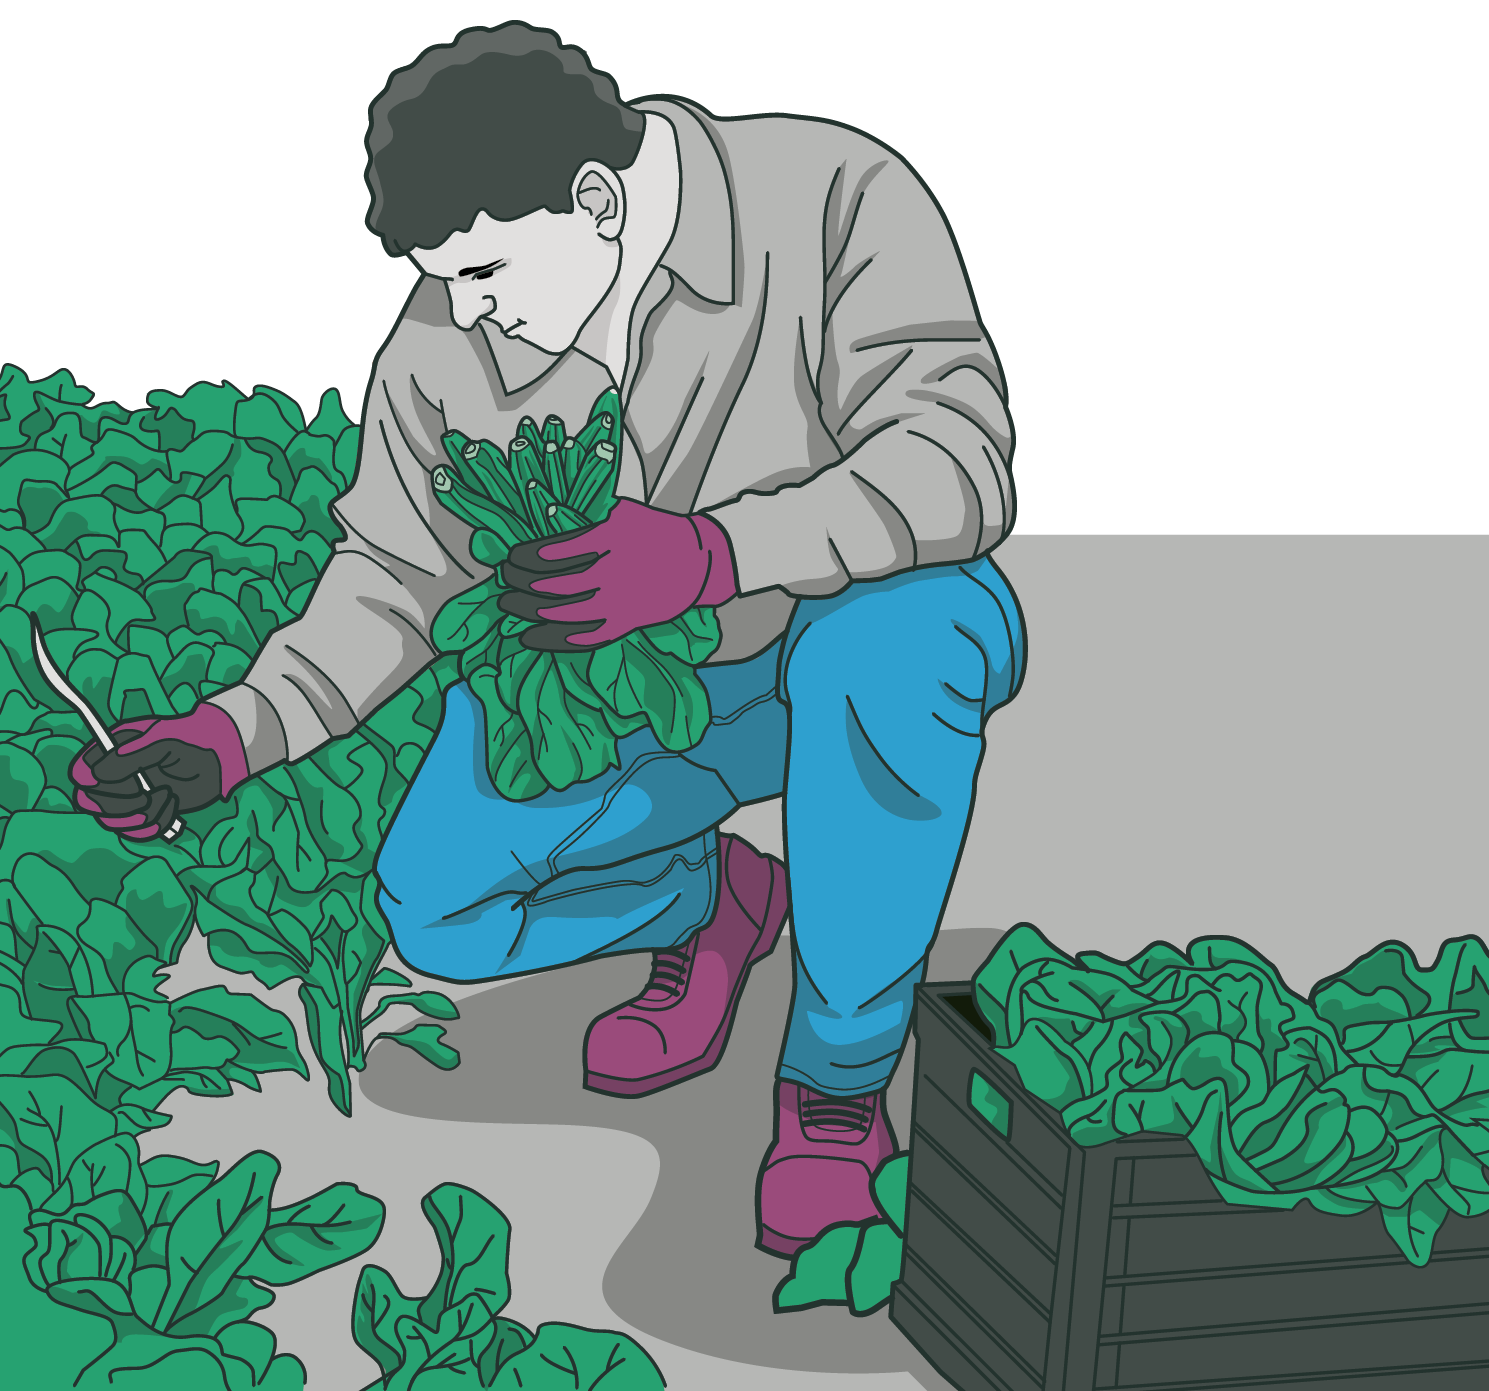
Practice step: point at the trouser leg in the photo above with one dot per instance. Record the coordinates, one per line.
(476, 887)
(889, 684)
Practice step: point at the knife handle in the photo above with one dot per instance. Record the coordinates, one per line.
(176, 827)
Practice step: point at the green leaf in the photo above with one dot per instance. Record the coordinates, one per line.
(327, 1038)
(875, 1268)
(239, 1298)
(329, 1227)
(214, 1235)
(890, 1186)
(155, 901)
(562, 1355)
(124, 605)
(692, 638)
(206, 406)
(240, 946)
(172, 1182)
(105, 1298)
(330, 419)
(819, 1271)
(109, 931)
(110, 1166)
(53, 1119)
(210, 612)
(46, 1343)
(49, 893)
(136, 1032)
(507, 1339)
(262, 1037)
(570, 740)
(473, 1239)
(424, 1039)
(251, 1343)
(468, 618)
(633, 679)
(21, 778)
(429, 1002)
(390, 977)
(135, 691)
(509, 759)
(376, 1309)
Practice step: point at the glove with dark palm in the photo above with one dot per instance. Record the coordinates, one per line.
(190, 761)
(639, 566)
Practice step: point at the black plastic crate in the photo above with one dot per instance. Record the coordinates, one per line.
(1032, 1264)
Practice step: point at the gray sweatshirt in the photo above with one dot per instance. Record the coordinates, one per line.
(875, 440)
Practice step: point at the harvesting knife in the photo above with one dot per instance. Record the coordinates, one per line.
(59, 683)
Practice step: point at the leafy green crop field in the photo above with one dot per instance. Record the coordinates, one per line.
(158, 548)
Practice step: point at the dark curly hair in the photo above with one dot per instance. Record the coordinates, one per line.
(499, 121)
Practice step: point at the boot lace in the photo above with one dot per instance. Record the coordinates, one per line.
(668, 971)
(837, 1112)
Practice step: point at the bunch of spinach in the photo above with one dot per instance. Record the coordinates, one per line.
(455, 1334)
(159, 548)
(553, 718)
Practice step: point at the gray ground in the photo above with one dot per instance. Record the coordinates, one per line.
(1280, 739)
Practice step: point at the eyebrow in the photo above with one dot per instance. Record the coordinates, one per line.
(471, 270)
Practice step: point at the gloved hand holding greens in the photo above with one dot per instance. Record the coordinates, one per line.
(553, 718)
(1374, 1090)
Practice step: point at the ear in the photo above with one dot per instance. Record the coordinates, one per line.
(597, 190)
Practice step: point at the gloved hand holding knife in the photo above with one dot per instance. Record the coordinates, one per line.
(138, 786)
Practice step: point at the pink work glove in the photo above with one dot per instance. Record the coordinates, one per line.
(190, 761)
(638, 567)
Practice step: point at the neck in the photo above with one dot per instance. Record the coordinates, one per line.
(653, 186)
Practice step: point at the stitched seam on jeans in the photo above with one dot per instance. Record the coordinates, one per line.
(604, 806)
(742, 711)
(540, 898)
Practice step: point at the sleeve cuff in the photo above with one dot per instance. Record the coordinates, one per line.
(258, 726)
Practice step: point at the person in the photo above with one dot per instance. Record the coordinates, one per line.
(816, 443)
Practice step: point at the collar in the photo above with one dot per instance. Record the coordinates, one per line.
(702, 251)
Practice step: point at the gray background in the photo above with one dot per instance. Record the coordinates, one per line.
(1277, 738)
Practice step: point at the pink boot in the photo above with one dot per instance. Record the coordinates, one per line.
(821, 1167)
(677, 1027)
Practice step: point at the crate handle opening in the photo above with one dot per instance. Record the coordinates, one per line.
(990, 1103)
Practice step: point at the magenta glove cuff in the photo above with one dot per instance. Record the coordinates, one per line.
(723, 580)
(211, 727)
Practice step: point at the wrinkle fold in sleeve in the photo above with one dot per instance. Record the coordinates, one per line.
(910, 388)
(365, 633)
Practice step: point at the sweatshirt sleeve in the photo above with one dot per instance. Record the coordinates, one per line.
(365, 632)
(910, 387)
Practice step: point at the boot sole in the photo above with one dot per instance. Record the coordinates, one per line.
(660, 1081)
(774, 1244)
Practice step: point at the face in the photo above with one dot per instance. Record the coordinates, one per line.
(539, 277)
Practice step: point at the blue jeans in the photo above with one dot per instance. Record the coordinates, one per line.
(867, 713)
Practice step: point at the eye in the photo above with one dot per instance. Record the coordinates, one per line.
(484, 275)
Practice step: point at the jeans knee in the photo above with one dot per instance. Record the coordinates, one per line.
(954, 627)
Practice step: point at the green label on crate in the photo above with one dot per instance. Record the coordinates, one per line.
(990, 1103)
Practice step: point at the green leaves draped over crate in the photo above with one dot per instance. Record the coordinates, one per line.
(1373, 1091)
(159, 548)
(553, 718)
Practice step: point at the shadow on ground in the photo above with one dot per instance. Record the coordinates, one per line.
(688, 1272)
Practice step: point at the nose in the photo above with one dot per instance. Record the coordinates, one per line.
(467, 305)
